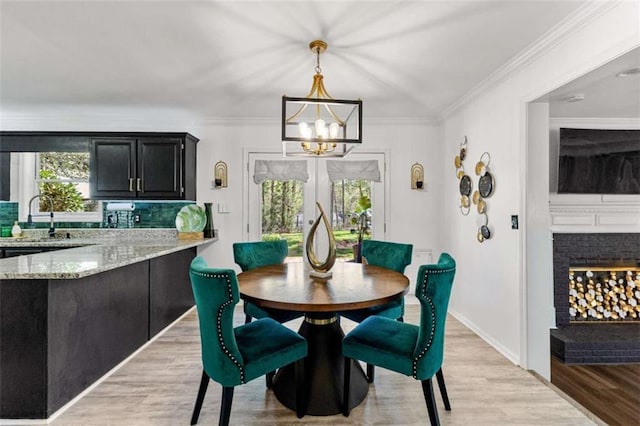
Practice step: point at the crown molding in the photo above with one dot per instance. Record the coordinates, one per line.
(545, 43)
(149, 120)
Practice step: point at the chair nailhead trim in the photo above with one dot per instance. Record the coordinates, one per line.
(423, 294)
(429, 342)
(219, 321)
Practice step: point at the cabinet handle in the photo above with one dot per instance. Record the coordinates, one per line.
(130, 184)
(139, 184)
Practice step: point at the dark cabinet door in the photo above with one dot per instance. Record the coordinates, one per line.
(113, 168)
(146, 166)
(159, 168)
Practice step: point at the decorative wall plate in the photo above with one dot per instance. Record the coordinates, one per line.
(486, 233)
(485, 185)
(482, 166)
(482, 206)
(476, 197)
(465, 185)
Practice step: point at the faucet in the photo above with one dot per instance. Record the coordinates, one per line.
(52, 230)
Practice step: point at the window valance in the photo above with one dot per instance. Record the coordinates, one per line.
(280, 170)
(365, 170)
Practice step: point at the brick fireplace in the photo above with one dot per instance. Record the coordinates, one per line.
(586, 339)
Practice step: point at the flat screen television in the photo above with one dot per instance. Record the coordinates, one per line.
(599, 161)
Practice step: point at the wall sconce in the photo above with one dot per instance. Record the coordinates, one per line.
(220, 175)
(417, 176)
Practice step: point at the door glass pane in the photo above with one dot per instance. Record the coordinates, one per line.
(282, 216)
(351, 214)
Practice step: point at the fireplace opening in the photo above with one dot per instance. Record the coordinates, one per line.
(604, 294)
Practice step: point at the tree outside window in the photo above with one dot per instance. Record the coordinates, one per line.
(63, 177)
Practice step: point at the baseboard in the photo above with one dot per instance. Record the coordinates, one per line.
(480, 333)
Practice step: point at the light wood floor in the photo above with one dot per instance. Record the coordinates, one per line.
(159, 386)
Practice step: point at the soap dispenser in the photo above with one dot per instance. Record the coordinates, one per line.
(16, 231)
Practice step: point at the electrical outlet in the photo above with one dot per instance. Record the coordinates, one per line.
(136, 218)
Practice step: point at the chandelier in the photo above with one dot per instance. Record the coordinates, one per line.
(318, 125)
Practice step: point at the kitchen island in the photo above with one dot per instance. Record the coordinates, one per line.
(69, 316)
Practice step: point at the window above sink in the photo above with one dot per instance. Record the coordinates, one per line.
(63, 177)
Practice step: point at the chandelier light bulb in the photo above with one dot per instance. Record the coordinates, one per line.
(321, 127)
(305, 130)
(333, 130)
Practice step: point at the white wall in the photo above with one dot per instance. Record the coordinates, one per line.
(412, 216)
(490, 290)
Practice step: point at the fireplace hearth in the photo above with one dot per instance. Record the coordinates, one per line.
(596, 278)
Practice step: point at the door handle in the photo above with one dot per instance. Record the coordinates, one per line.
(139, 184)
(130, 184)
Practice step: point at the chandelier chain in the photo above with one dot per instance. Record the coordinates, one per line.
(318, 69)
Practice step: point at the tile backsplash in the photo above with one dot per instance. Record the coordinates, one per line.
(145, 214)
(8, 213)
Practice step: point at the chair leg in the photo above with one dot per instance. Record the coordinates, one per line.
(302, 395)
(269, 377)
(247, 318)
(371, 372)
(202, 390)
(347, 387)
(427, 390)
(443, 390)
(225, 408)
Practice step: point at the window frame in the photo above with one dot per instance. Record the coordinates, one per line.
(24, 182)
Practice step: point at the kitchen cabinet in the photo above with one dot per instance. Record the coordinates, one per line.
(152, 166)
(60, 335)
(124, 165)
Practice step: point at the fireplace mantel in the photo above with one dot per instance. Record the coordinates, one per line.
(594, 213)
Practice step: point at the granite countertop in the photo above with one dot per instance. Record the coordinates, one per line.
(91, 252)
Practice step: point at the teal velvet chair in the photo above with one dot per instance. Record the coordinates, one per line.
(412, 350)
(252, 255)
(234, 356)
(388, 255)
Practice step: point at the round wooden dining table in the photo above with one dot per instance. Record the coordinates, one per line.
(289, 286)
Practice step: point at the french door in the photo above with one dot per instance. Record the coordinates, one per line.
(318, 188)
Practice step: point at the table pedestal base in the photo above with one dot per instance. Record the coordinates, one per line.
(324, 370)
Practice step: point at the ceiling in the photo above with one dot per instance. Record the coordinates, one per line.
(224, 59)
(600, 93)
